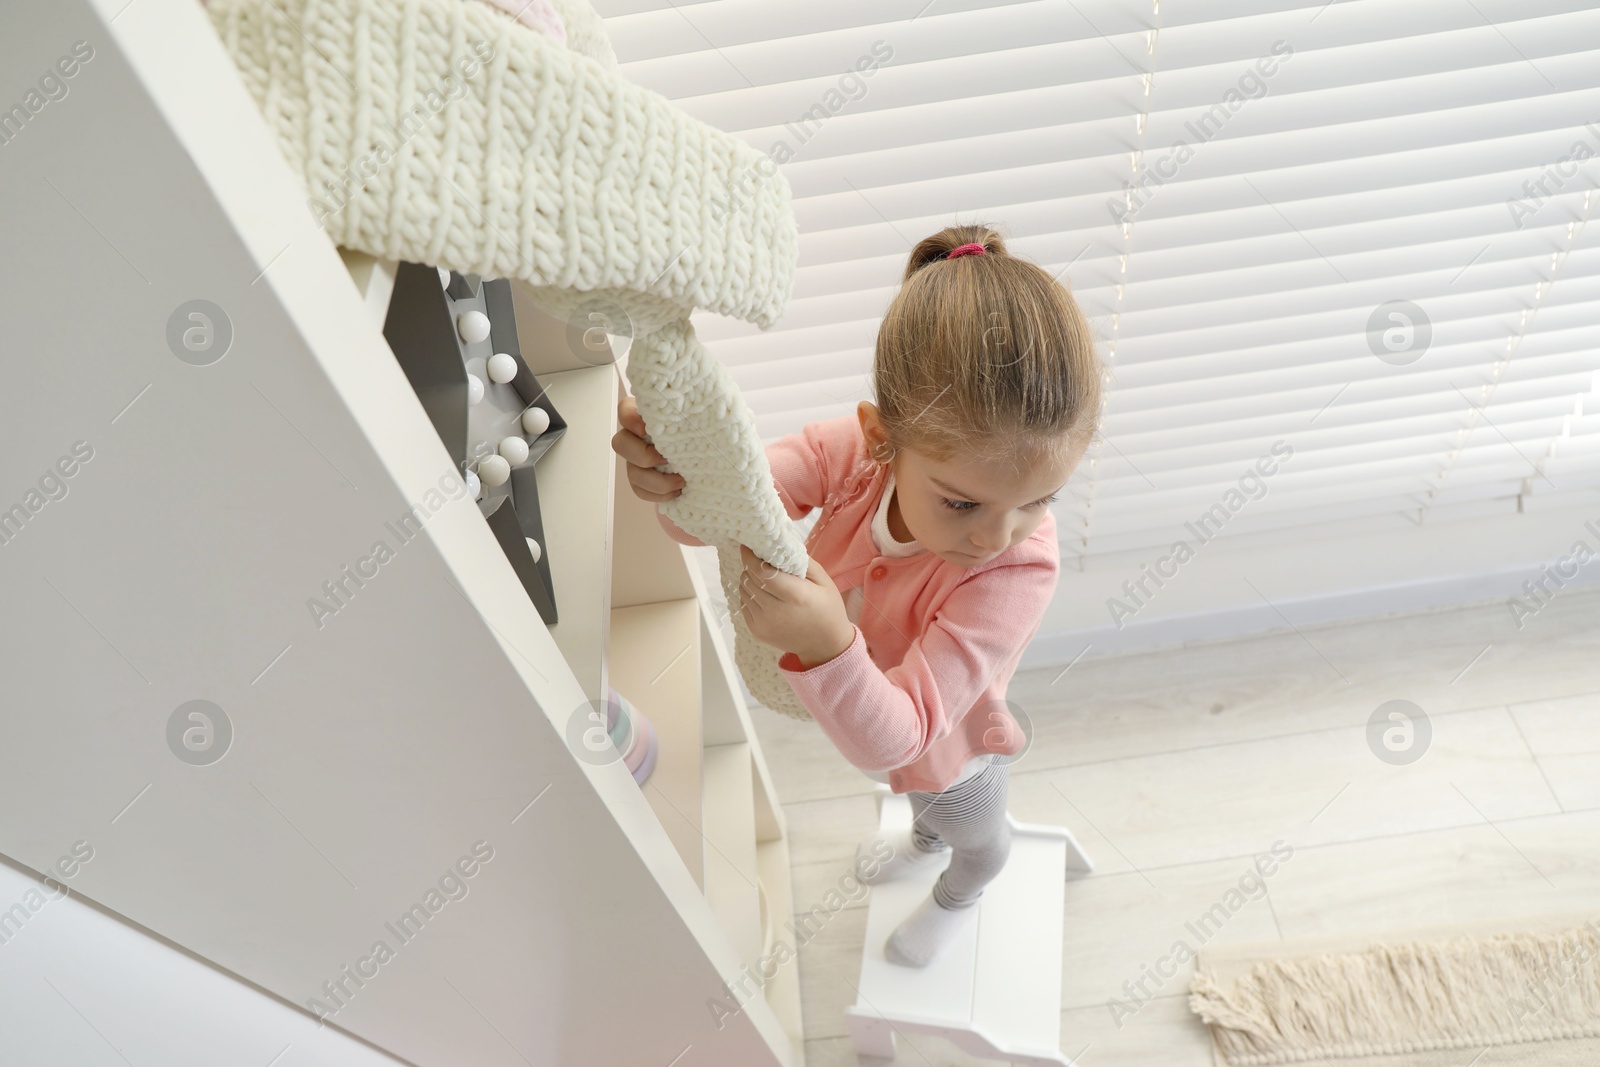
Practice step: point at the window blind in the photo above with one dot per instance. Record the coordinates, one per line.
(1357, 231)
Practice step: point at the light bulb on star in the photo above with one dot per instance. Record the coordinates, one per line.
(444, 277)
(474, 486)
(474, 389)
(514, 449)
(474, 326)
(536, 420)
(502, 367)
(494, 470)
(534, 549)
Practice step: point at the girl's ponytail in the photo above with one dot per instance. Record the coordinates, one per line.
(981, 350)
(934, 249)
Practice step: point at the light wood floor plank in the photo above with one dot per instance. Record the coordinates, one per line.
(1173, 767)
(1131, 937)
(1520, 867)
(1306, 789)
(1162, 1034)
(1564, 734)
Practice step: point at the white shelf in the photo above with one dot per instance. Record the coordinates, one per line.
(374, 280)
(783, 991)
(730, 859)
(727, 823)
(655, 664)
(727, 717)
(575, 504)
(647, 565)
(635, 615)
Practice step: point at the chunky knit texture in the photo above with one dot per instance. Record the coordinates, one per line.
(538, 15)
(698, 420)
(549, 168)
(585, 31)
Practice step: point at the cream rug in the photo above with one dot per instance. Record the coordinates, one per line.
(1511, 993)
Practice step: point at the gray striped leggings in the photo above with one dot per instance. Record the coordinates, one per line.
(969, 818)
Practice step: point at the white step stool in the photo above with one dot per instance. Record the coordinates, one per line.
(996, 991)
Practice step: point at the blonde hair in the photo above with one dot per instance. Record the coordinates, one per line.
(984, 352)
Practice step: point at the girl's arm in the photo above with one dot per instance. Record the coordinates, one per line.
(880, 720)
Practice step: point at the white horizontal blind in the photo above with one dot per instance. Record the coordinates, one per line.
(1234, 190)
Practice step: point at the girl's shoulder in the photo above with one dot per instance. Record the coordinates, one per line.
(1005, 599)
(837, 446)
(839, 436)
(1028, 570)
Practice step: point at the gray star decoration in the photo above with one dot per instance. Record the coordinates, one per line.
(445, 335)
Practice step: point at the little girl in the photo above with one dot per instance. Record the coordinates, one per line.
(935, 554)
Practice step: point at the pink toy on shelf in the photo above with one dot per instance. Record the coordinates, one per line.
(641, 759)
(633, 733)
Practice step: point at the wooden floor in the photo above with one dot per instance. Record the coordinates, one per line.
(1174, 768)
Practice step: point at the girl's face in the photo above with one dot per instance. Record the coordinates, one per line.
(968, 511)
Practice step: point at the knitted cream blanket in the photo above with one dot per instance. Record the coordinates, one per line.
(445, 132)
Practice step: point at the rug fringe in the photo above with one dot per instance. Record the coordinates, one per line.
(1407, 998)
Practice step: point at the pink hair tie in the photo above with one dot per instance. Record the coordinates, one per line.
(973, 249)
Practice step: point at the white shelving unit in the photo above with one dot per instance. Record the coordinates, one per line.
(718, 803)
(371, 751)
(659, 645)
(635, 614)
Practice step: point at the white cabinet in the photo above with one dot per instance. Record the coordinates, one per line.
(370, 749)
(635, 614)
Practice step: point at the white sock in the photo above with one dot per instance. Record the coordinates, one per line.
(905, 858)
(924, 934)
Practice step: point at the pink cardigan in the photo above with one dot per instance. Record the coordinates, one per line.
(922, 687)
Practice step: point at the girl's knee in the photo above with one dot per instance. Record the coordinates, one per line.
(1003, 848)
(989, 853)
(996, 852)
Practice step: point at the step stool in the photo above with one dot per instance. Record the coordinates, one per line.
(996, 991)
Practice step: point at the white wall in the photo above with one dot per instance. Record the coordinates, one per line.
(1232, 587)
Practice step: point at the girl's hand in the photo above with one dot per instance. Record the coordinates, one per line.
(805, 616)
(642, 457)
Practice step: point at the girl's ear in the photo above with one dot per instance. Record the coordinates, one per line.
(872, 431)
(871, 425)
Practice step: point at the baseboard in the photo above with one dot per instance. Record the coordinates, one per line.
(1066, 646)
